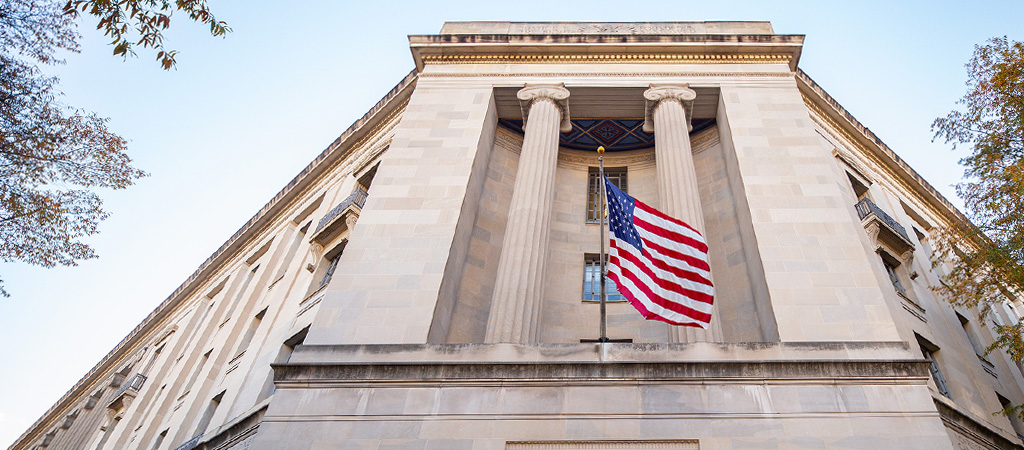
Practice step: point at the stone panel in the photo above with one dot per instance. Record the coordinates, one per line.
(800, 214)
(432, 173)
(734, 297)
(473, 303)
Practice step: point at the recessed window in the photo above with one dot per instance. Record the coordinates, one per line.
(1014, 417)
(928, 350)
(331, 266)
(324, 271)
(971, 336)
(860, 190)
(195, 373)
(211, 409)
(159, 440)
(617, 175)
(592, 282)
(366, 179)
(894, 277)
(251, 331)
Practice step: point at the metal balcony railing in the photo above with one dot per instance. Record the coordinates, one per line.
(358, 198)
(134, 383)
(191, 443)
(866, 207)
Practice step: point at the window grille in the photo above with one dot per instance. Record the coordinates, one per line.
(894, 278)
(940, 381)
(617, 175)
(592, 282)
(330, 271)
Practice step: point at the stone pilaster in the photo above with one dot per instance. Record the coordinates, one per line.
(668, 116)
(518, 289)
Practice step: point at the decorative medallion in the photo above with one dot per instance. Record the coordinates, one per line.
(612, 134)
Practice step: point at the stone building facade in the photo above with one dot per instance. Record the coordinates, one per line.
(423, 284)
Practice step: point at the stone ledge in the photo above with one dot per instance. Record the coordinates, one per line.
(236, 430)
(895, 371)
(759, 48)
(885, 362)
(593, 352)
(981, 436)
(631, 28)
(907, 371)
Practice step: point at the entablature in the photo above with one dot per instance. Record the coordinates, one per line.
(509, 42)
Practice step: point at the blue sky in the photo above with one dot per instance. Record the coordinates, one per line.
(241, 116)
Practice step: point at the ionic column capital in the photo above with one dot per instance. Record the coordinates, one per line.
(658, 93)
(554, 93)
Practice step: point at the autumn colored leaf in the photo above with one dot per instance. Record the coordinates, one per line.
(140, 23)
(986, 255)
(54, 157)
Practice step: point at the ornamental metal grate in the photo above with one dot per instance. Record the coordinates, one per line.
(191, 443)
(592, 282)
(617, 175)
(134, 383)
(357, 198)
(866, 207)
(613, 134)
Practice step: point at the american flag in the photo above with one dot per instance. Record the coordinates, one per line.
(660, 264)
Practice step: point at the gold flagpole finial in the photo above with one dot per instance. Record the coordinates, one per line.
(600, 150)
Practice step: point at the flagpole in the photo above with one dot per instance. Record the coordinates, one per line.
(604, 311)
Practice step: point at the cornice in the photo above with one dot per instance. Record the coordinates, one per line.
(522, 373)
(609, 58)
(606, 74)
(606, 48)
(982, 436)
(837, 120)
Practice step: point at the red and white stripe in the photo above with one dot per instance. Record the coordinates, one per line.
(670, 280)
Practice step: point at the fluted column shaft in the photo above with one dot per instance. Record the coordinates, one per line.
(677, 178)
(518, 289)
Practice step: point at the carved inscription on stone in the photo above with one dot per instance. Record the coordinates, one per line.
(607, 28)
(605, 445)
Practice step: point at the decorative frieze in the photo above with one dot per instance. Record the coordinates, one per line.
(605, 445)
(680, 74)
(511, 141)
(610, 58)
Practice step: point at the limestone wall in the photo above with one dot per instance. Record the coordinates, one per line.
(972, 382)
(822, 287)
(720, 396)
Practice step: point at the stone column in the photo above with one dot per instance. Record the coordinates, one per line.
(669, 109)
(519, 287)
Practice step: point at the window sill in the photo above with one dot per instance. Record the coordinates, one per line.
(234, 363)
(987, 365)
(912, 307)
(313, 294)
(271, 287)
(311, 300)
